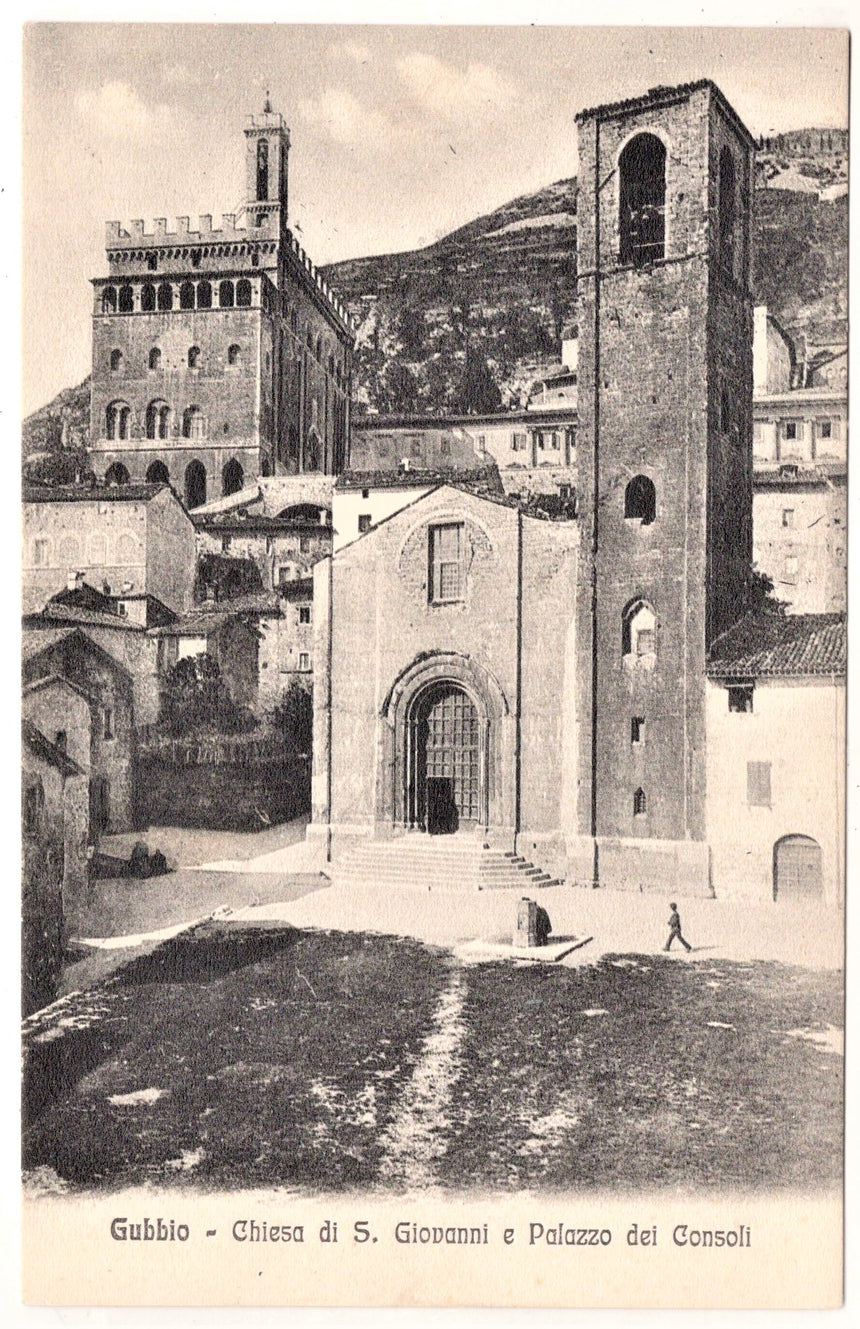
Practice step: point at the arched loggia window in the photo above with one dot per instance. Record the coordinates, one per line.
(642, 200)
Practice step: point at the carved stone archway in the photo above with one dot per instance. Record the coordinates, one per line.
(399, 804)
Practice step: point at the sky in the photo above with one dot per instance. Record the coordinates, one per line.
(398, 134)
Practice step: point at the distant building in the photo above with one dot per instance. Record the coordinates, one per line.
(800, 473)
(534, 449)
(126, 541)
(219, 354)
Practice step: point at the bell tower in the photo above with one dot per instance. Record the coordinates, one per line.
(267, 149)
(665, 468)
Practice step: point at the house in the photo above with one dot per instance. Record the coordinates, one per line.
(776, 758)
(72, 656)
(63, 714)
(125, 540)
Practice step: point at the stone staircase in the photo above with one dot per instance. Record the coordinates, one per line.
(437, 863)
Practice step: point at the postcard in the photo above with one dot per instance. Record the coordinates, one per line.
(434, 665)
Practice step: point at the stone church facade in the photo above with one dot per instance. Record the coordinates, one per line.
(542, 685)
(219, 354)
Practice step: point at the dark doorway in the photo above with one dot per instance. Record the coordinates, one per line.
(99, 806)
(232, 478)
(447, 754)
(195, 484)
(797, 869)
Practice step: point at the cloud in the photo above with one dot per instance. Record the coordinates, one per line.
(116, 111)
(451, 92)
(342, 117)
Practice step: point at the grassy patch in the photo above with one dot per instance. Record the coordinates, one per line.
(643, 1071)
(271, 1056)
(278, 1053)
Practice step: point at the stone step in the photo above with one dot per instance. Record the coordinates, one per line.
(438, 863)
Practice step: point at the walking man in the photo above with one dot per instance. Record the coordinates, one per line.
(675, 929)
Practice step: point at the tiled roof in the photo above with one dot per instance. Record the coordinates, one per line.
(416, 478)
(92, 617)
(788, 475)
(91, 494)
(776, 645)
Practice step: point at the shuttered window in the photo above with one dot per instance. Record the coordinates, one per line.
(758, 784)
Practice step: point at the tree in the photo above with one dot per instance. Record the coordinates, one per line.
(196, 700)
(400, 391)
(762, 598)
(293, 718)
(478, 392)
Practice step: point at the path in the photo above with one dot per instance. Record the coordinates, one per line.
(416, 1136)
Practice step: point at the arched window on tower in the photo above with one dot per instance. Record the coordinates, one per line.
(147, 297)
(186, 295)
(193, 423)
(116, 361)
(194, 357)
(118, 420)
(126, 299)
(294, 320)
(157, 419)
(642, 200)
(262, 169)
(226, 295)
(109, 300)
(639, 634)
(640, 500)
(243, 293)
(234, 355)
(640, 803)
(155, 358)
(727, 209)
(204, 295)
(165, 295)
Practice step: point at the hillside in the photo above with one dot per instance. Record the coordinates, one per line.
(502, 287)
(471, 320)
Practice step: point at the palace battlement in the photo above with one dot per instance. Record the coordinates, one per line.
(117, 237)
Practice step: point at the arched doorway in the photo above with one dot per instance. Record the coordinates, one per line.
(157, 474)
(195, 484)
(232, 478)
(117, 474)
(797, 868)
(446, 759)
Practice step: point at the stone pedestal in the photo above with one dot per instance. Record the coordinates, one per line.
(526, 929)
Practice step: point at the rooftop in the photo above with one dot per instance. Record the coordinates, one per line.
(48, 751)
(91, 493)
(419, 478)
(774, 645)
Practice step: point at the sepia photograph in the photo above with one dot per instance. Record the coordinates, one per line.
(434, 615)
